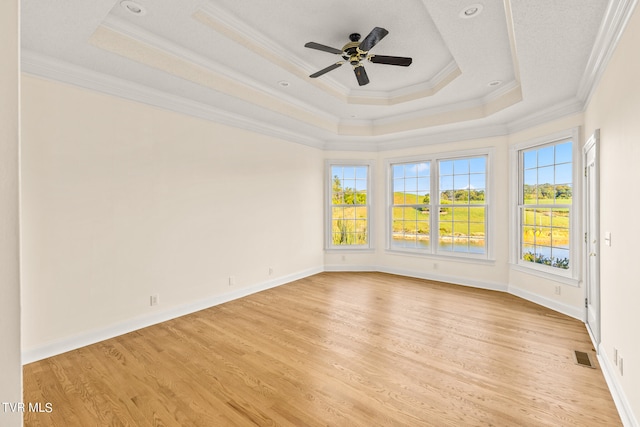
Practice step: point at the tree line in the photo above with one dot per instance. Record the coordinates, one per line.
(548, 191)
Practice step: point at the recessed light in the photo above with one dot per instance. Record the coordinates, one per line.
(495, 83)
(284, 83)
(471, 11)
(133, 7)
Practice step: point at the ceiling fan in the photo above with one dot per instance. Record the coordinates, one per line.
(356, 51)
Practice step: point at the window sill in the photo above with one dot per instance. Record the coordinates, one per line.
(349, 249)
(546, 275)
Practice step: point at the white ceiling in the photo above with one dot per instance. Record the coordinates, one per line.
(224, 60)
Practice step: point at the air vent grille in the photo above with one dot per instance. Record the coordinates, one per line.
(583, 359)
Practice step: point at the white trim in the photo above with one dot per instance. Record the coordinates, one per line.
(337, 268)
(537, 270)
(611, 29)
(96, 335)
(460, 281)
(617, 391)
(592, 142)
(569, 310)
(554, 112)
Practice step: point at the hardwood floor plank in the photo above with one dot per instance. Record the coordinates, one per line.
(337, 349)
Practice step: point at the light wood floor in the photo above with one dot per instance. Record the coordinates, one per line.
(335, 349)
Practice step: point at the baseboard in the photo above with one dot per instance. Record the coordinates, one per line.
(617, 392)
(463, 281)
(569, 310)
(91, 337)
(349, 268)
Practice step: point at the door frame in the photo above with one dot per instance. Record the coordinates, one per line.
(592, 279)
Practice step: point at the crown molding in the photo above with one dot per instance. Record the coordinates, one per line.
(558, 111)
(396, 143)
(53, 69)
(613, 24)
(39, 65)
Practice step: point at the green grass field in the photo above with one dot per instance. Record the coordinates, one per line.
(455, 219)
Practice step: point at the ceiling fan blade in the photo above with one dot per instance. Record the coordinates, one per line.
(318, 46)
(361, 75)
(326, 70)
(373, 38)
(391, 60)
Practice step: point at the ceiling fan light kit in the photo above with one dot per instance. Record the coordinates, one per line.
(356, 51)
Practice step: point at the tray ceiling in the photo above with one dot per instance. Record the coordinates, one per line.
(244, 62)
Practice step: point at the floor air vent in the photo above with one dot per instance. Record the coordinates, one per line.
(583, 359)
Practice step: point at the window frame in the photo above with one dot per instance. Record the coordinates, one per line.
(568, 276)
(434, 191)
(328, 192)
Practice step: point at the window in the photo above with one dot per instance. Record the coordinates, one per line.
(462, 206)
(545, 205)
(349, 209)
(411, 203)
(454, 221)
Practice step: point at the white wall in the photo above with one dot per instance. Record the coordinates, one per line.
(615, 110)
(10, 364)
(122, 201)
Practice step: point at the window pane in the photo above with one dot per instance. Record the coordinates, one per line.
(446, 183)
(423, 185)
(461, 182)
(564, 153)
(398, 171)
(349, 172)
(461, 214)
(461, 167)
(477, 181)
(560, 218)
(563, 174)
(446, 167)
(478, 165)
(545, 156)
(361, 172)
(560, 238)
(545, 175)
(530, 159)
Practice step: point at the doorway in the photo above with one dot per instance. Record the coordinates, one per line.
(592, 236)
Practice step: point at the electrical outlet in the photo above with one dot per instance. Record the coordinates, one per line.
(232, 280)
(435, 265)
(270, 271)
(558, 290)
(615, 356)
(154, 300)
(620, 365)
